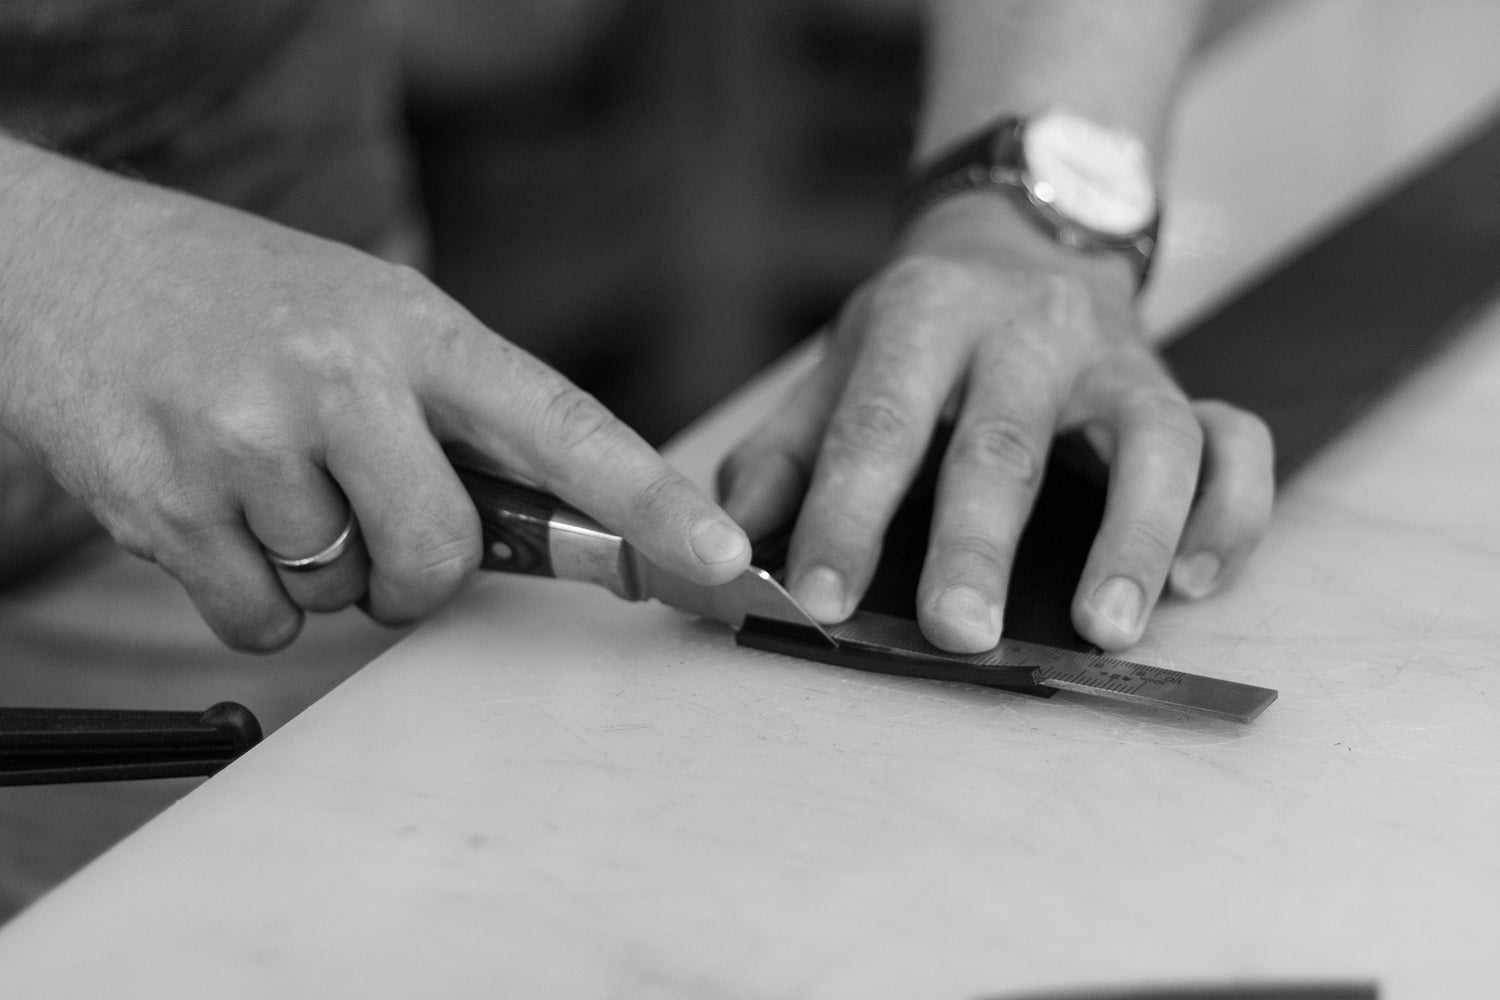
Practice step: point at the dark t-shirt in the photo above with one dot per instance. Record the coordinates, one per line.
(286, 108)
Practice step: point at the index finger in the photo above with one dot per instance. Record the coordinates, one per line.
(482, 390)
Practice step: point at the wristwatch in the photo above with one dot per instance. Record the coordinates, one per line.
(1087, 185)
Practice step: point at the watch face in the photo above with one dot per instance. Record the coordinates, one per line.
(1091, 175)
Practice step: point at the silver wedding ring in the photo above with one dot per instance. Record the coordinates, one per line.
(317, 560)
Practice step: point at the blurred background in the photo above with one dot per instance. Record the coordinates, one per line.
(659, 196)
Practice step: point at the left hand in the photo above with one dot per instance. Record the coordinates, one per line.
(983, 318)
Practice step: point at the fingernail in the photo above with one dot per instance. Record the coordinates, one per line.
(820, 591)
(1195, 575)
(716, 542)
(967, 620)
(1119, 601)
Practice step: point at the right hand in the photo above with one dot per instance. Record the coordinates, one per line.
(213, 386)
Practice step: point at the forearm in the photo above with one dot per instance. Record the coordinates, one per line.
(38, 519)
(1115, 62)
(70, 235)
(45, 205)
(35, 212)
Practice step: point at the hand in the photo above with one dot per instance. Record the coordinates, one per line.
(213, 386)
(982, 318)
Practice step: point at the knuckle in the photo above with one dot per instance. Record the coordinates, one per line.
(921, 293)
(1153, 540)
(571, 420)
(922, 280)
(1217, 411)
(1245, 534)
(1060, 301)
(182, 517)
(424, 582)
(424, 564)
(1258, 434)
(878, 425)
(336, 360)
(1167, 414)
(441, 573)
(409, 282)
(970, 549)
(140, 514)
(1245, 429)
(400, 287)
(345, 375)
(427, 314)
(662, 500)
(243, 430)
(999, 446)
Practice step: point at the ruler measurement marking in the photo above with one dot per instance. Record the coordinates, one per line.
(1087, 673)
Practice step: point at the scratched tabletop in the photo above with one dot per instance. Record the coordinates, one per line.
(546, 792)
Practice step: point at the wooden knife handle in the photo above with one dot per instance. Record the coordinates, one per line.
(516, 521)
(531, 532)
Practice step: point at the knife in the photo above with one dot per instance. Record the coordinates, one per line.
(531, 532)
(528, 531)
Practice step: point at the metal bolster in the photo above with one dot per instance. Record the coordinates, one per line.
(582, 550)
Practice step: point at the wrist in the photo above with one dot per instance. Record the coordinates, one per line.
(1087, 185)
(982, 225)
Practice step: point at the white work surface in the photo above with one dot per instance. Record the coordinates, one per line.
(548, 793)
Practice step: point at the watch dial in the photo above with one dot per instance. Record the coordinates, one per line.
(1092, 175)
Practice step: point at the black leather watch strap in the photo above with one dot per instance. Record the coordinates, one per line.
(966, 166)
(992, 159)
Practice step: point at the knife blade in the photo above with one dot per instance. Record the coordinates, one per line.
(530, 532)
